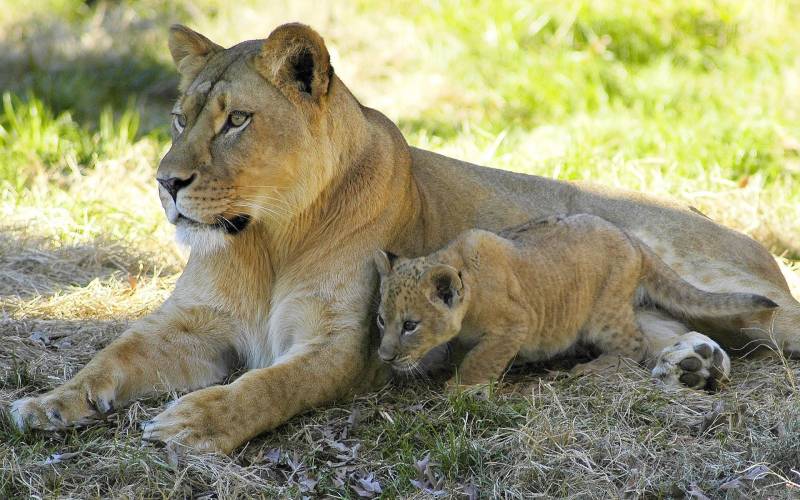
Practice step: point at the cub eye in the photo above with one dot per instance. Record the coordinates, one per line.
(410, 326)
(178, 121)
(238, 118)
(380, 322)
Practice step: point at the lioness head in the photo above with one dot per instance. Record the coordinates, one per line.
(249, 133)
(422, 306)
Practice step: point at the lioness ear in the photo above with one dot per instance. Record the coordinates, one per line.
(384, 262)
(446, 284)
(294, 58)
(190, 50)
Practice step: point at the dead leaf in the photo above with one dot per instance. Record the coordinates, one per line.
(45, 339)
(713, 419)
(744, 181)
(307, 484)
(353, 420)
(57, 458)
(422, 465)
(755, 473)
(174, 454)
(295, 464)
(427, 479)
(339, 446)
(695, 492)
(367, 487)
(40, 338)
(733, 484)
(273, 456)
(133, 282)
(471, 491)
(339, 478)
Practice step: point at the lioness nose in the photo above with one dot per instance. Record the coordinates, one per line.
(175, 184)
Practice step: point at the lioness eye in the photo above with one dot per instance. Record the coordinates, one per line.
(380, 321)
(178, 121)
(410, 326)
(238, 118)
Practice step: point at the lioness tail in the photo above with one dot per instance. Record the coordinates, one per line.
(665, 288)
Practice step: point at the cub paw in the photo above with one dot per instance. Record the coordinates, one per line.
(480, 391)
(694, 361)
(202, 420)
(67, 406)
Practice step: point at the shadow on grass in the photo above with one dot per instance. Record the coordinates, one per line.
(45, 58)
(89, 83)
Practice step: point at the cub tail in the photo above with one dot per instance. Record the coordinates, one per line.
(664, 287)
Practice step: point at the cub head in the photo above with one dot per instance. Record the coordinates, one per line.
(422, 304)
(249, 133)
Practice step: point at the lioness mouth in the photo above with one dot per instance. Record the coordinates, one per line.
(232, 225)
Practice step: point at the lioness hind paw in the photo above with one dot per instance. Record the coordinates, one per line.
(695, 361)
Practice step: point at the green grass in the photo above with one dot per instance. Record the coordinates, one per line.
(681, 98)
(694, 100)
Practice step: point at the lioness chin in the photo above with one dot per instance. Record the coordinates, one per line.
(284, 185)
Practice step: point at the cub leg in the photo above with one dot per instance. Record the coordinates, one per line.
(488, 359)
(617, 335)
(173, 348)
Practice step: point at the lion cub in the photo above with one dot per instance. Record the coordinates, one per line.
(533, 292)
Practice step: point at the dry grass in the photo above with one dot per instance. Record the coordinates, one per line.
(567, 437)
(84, 248)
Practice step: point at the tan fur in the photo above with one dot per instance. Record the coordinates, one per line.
(533, 292)
(323, 182)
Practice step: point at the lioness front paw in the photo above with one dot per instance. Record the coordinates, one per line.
(202, 420)
(70, 405)
(695, 361)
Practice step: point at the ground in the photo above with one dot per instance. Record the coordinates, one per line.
(686, 99)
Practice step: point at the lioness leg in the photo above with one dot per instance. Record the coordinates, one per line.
(680, 356)
(222, 417)
(779, 328)
(172, 348)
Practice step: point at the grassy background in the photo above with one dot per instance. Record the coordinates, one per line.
(695, 100)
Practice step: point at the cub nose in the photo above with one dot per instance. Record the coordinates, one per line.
(387, 357)
(175, 184)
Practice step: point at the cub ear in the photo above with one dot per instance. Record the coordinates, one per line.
(190, 50)
(294, 59)
(384, 261)
(445, 283)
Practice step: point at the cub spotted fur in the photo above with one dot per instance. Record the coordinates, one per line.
(534, 291)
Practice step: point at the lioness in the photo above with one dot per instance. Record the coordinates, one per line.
(534, 291)
(284, 185)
